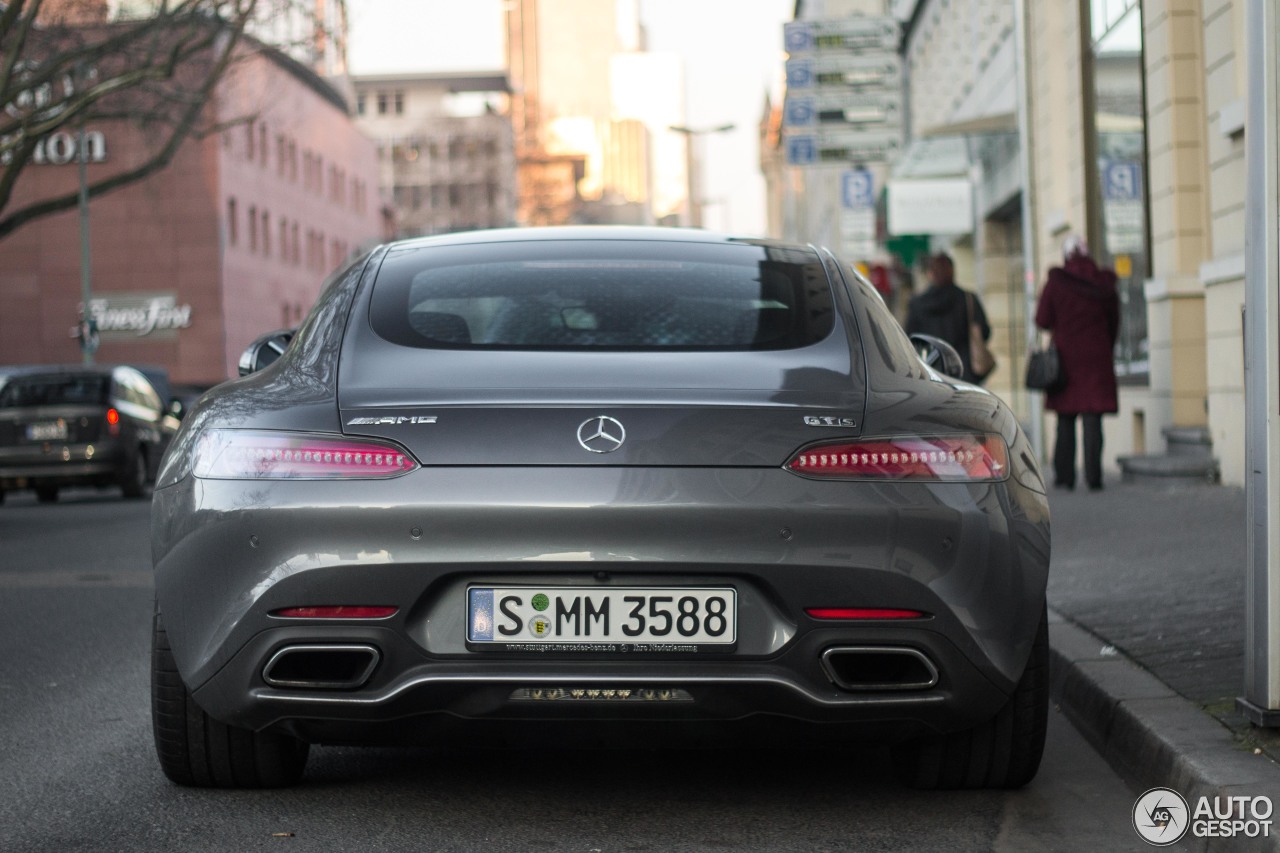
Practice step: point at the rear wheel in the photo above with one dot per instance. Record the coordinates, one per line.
(197, 750)
(47, 494)
(1004, 752)
(134, 482)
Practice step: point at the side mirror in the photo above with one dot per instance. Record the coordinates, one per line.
(265, 350)
(939, 355)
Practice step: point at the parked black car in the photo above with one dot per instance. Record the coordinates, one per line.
(80, 425)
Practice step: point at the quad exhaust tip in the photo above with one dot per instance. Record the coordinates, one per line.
(876, 668)
(322, 667)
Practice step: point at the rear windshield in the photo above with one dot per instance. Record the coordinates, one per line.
(603, 294)
(54, 390)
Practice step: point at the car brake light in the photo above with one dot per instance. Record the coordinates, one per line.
(341, 611)
(962, 458)
(232, 454)
(113, 417)
(863, 613)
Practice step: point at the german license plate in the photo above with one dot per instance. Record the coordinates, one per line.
(644, 615)
(50, 431)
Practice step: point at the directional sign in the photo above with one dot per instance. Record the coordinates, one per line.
(849, 109)
(858, 146)
(867, 73)
(857, 189)
(855, 33)
(801, 150)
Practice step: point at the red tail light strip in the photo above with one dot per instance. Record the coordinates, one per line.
(863, 613)
(962, 458)
(343, 611)
(230, 454)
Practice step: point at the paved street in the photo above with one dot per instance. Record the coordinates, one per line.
(77, 771)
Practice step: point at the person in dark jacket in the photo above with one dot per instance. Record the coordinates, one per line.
(1079, 306)
(943, 311)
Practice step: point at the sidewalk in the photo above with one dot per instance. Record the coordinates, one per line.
(1147, 607)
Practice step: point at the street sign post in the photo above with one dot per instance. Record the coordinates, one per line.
(1261, 700)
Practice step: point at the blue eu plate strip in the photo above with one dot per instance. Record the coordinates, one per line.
(480, 625)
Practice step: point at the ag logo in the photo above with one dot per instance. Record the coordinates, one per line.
(1161, 817)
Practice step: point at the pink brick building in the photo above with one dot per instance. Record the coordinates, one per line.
(189, 265)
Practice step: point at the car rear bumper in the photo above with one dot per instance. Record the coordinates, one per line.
(61, 465)
(972, 557)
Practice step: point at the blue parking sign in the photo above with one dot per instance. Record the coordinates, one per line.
(799, 112)
(857, 189)
(799, 74)
(801, 150)
(797, 36)
(1121, 180)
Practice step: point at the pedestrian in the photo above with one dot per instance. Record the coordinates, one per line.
(1080, 309)
(946, 310)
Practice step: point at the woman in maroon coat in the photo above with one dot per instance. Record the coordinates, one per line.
(1080, 308)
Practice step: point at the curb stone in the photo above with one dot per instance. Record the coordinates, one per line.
(1152, 736)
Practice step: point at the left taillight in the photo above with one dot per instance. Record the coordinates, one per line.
(233, 454)
(945, 458)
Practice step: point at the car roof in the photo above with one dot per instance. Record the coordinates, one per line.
(589, 232)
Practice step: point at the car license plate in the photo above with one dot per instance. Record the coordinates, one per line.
(637, 615)
(51, 431)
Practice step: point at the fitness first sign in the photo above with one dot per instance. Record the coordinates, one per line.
(139, 316)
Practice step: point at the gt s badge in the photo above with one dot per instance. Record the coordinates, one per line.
(393, 421)
(828, 421)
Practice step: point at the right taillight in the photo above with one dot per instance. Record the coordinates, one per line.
(945, 458)
(235, 454)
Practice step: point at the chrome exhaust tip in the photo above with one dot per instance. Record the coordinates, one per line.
(322, 667)
(876, 668)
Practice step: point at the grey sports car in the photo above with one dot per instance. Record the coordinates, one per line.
(604, 482)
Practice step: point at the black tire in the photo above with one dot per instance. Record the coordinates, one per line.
(197, 750)
(47, 494)
(1001, 753)
(134, 480)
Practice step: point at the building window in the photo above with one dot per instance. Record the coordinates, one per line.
(284, 239)
(293, 161)
(231, 221)
(360, 104)
(262, 143)
(399, 103)
(250, 137)
(382, 103)
(266, 233)
(281, 152)
(294, 247)
(253, 229)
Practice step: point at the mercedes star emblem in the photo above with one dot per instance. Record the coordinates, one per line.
(601, 434)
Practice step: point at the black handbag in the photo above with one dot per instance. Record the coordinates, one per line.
(1044, 369)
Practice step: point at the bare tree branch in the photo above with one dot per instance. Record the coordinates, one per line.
(158, 71)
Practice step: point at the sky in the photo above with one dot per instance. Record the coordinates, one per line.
(732, 51)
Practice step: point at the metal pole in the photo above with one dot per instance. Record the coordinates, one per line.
(82, 153)
(1261, 702)
(694, 166)
(1035, 402)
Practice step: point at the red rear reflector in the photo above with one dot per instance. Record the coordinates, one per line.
(960, 458)
(234, 454)
(862, 613)
(113, 417)
(342, 611)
